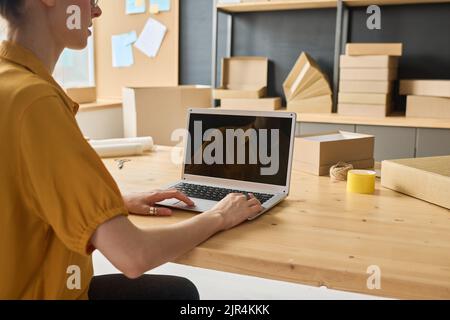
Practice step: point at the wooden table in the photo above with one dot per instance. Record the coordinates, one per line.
(319, 236)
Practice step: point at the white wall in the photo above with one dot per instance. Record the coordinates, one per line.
(104, 123)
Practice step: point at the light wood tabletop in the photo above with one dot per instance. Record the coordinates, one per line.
(319, 236)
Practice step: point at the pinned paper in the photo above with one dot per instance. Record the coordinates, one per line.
(163, 5)
(154, 9)
(151, 38)
(122, 50)
(135, 6)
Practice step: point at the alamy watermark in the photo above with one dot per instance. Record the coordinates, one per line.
(374, 280)
(210, 147)
(74, 279)
(73, 21)
(374, 21)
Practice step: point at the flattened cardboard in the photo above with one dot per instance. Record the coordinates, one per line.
(316, 154)
(427, 179)
(364, 110)
(432, 88)
(354, 86)
(269, 104)
(382, 74)
(427, 107)
(320, 104)
(367, 62)
(304, 74)
(365, 98)
(366, 49)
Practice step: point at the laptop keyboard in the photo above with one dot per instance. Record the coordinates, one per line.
(214, 193)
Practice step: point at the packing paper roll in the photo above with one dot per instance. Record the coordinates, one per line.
(146, 142)
(119, 150)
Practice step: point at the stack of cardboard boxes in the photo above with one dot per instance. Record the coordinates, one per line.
(366, 78)
(426, 98)
(307, 89)
(244, 85)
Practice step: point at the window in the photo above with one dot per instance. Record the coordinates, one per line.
(74, 68)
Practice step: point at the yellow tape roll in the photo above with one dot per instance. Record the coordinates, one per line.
(361, 181)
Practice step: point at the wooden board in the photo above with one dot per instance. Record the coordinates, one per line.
(159, 71)
(393, 121)
(319, 236)
(312, 4)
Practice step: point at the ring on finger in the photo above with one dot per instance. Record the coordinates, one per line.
(152, 211)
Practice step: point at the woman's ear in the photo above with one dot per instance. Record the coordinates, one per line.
(49, 3)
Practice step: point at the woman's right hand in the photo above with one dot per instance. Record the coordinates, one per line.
(237, 208)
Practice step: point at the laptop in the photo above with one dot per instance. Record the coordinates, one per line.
(230, 151)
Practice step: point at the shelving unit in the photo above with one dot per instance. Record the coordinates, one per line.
(310, 4)
(341, 36)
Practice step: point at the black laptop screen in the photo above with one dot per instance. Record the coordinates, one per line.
(248, 148)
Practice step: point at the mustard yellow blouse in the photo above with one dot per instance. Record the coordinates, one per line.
(54, 189)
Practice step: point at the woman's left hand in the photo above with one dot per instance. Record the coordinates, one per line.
(144, 203)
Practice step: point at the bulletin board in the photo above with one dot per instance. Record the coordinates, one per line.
(159, 71)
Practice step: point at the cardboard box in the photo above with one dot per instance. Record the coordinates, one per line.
(427, 107)
(316, 154)
(158, 111)
(367, 49)
(243, 78)
(365, 98)
(263, 104)
(364, 110)
(352, 86)
(82, 95)
(321, 104)
(367, 62)
(432, 88)
(383, 74)
(305, 74)
(423, 178)
(320, 88)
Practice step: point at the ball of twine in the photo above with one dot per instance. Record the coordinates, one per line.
(339, 171)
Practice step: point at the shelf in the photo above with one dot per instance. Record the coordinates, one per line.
(101, 104)
(394, 121)
(312, 4)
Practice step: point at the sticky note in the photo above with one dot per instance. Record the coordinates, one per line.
(122, 50)
(151, 38)
(154, 9)
(135, 6)
(163, 5)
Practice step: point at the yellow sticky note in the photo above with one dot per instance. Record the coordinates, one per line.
(139, 3)
(154, 8)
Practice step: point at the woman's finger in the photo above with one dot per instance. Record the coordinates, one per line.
(253, 202)
(159, 212)
(170, 194)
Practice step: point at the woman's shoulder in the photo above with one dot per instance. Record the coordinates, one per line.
(21, 88)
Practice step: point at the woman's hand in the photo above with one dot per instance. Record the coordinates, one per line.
(235, 209)
(144, 203)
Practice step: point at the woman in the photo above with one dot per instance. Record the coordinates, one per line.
(59, 203)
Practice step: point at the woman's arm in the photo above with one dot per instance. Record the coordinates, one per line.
(135, 251)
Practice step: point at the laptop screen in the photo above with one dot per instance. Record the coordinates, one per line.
(245, 148)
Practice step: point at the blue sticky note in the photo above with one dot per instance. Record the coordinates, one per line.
(122, 50)
(163, 5)
(135, 6)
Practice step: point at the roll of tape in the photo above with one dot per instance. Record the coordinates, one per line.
(361, 181)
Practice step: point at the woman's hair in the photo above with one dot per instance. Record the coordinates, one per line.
(11, 9)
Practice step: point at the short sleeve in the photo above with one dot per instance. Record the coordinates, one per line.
(64, 179)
